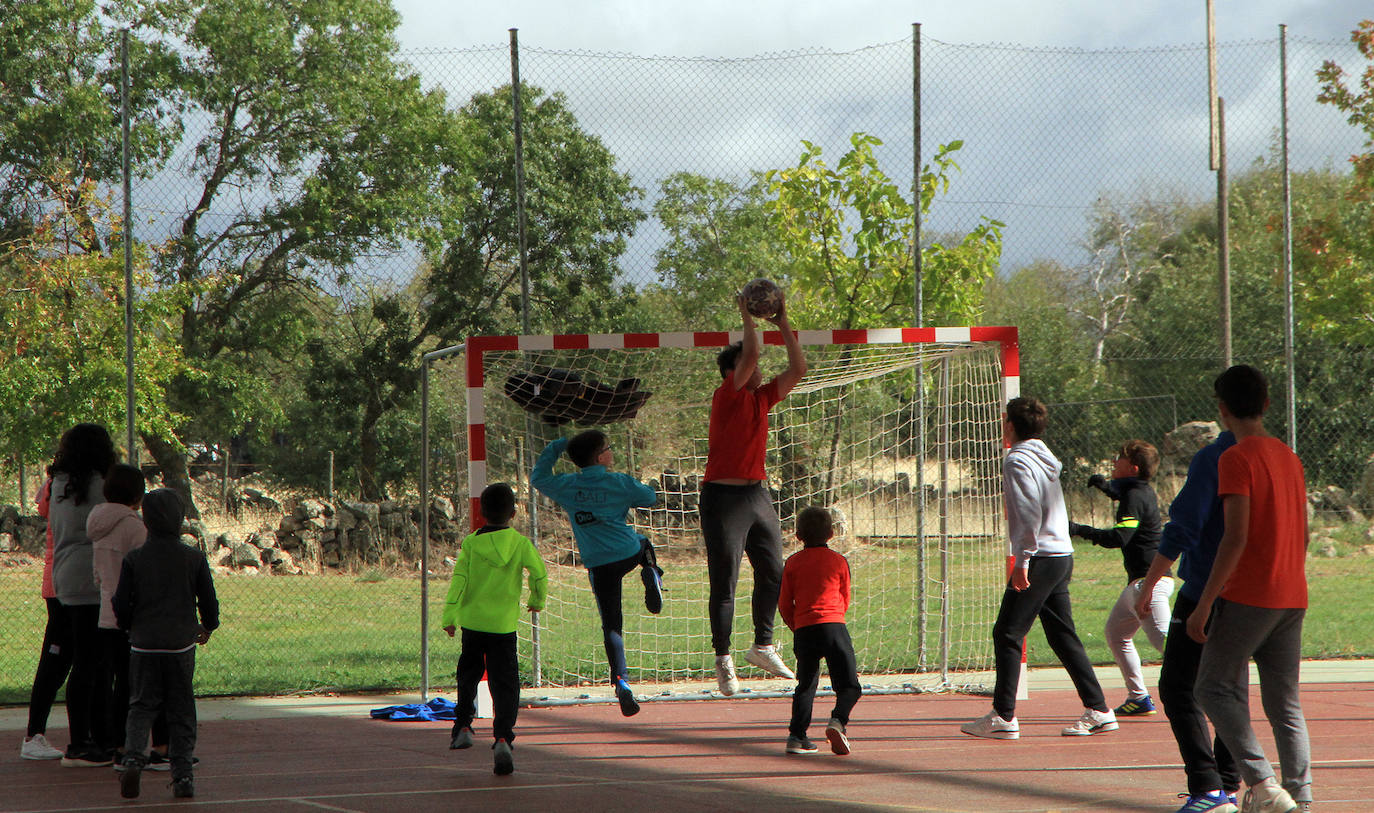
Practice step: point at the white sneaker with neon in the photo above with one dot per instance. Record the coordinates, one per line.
(766, 658)
(725, 675)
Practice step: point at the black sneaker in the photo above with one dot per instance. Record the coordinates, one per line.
(628, 705)
(505, 762)
(652, 576)
(183, 788)
(801, 745)
(88, 756)
(129, 779)
(158, 761)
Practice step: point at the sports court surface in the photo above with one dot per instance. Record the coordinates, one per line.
(723, 754)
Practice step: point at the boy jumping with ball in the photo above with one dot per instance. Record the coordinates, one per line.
(812, 601)
(738, 517)
(484, 600)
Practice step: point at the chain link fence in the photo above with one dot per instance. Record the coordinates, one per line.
(1054, 141)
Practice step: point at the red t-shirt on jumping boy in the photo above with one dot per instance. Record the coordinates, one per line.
(738, 439)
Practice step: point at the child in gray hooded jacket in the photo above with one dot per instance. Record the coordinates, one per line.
(1041, 559)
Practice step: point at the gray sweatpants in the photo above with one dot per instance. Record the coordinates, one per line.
(1273, 637)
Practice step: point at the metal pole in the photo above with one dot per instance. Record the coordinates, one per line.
(919, 272)
(518, 117)
(129, 396)
(425, 363)
(946, 422)
(424, 526)
(224, 479)
(1288, 316)
(330, 484)
(1223, 238)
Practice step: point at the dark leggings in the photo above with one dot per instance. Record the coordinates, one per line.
(85, 700)
(739, 521)
(54, 662)
(1048, 598)
(607, 588)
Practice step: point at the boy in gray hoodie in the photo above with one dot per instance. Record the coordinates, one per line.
(162, 585)
(1041, 559)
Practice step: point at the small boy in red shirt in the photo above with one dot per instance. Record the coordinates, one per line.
(812, 600)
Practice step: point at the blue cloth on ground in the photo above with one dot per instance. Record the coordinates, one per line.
(436, 709)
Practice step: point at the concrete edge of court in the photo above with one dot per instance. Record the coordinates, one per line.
(14, 718)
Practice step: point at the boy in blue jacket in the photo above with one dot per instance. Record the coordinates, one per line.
(597, 501)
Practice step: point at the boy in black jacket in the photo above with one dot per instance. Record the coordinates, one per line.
(1136, 533)
(161, 587)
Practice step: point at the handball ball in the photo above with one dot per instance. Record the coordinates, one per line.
(762, 297)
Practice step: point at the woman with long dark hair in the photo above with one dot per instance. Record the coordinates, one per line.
(84, 454)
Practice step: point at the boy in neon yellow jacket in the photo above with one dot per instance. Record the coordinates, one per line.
(484, 601)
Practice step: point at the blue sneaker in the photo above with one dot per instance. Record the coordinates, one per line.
(628, 705)
(1136, 707)
(1214, 802)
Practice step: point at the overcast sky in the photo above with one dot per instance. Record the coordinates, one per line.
(731, 28)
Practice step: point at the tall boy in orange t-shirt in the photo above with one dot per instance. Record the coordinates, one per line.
(1259, 587)
(812, 600)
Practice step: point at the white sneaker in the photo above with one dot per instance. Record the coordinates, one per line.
(766, 658)
(38, 747)
(992, 726)
(725, 675)
(839, 741)
(1092, 722)
(1268, 797)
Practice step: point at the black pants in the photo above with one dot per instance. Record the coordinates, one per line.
(740, 521)
(493, 653)
(162, 683)
(1048, 598)
(54, 662)
(114, 681)
(1206, 761)
(809, 645)
(85, 700)
(607, 588)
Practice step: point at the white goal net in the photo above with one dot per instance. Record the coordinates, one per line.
(897, 431)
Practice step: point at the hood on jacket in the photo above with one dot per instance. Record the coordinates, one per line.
(1035, 452)
(107, 516)
(163, 513)
(498, 549)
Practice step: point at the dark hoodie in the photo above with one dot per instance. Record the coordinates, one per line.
(163, 583)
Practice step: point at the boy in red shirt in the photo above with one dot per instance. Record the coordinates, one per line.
(1259, 588)
(738, 517)
(812, 600)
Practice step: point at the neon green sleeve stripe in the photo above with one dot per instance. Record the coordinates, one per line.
(1128, 522)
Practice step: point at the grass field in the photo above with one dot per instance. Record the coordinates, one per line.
(304, 634)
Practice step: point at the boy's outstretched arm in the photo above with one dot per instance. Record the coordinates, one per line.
(748, 359)
(206, 600)
(796, 357)
(541, 476)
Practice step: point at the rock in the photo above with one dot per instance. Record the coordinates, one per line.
(221, 558)
(1364, 487)
(191, 542)
(1180, 445)
(364, 513)
(8, 543)
(244, 555)
(311, 509)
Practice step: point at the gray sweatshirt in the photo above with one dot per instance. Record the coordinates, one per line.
(1037, 523)
(73, 568)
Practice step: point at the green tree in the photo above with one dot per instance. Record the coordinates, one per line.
(1355, 98)
(580, 212)
(846, 234)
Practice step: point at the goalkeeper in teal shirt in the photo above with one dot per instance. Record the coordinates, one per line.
(597, 501)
